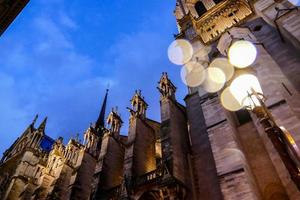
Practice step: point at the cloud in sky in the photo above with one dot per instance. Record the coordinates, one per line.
(59, 56)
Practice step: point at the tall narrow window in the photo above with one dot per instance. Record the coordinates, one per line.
(200, 8)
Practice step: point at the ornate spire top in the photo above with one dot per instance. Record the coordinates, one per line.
(114, 121)
(166, 87)
(139, 105)
(42, 126)
(34, 120)
(101, 119)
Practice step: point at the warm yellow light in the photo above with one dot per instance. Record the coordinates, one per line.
(242, 87)
(242, 54)
(214, 80)
(229, 102)
(224, 65)
(294, 150)
(192, 74)
(180, 52)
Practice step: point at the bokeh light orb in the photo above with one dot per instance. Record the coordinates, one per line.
(214, 80)
(192, 74)
(228, 101)
(180, 52)
(242, 54)
(224, 65)
(243, 86)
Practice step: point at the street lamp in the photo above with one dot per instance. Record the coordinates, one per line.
(244, 92)
(242, 53)
(247, 92)
(244, 85)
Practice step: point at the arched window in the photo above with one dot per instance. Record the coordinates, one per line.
(200, 8)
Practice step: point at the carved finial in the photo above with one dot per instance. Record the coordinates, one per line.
(42, 126)
(115, 122)
(35, 118)
(166, 87)
(139, 106)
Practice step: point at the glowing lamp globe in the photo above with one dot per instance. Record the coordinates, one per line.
(242, 54)
(242, 87)
(180, 52)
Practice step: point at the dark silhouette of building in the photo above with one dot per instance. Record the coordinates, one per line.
(9, 10)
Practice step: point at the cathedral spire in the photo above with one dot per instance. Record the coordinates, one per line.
(101, 118)
(34, 120)
(43, 125)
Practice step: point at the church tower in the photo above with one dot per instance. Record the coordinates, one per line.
(109, 169)
(92, 137)
(231, 155)
(19, 166)
(174, 143)
(140, 155)
(83, 179)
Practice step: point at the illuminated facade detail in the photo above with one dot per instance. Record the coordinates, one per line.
(220, 18)
(235, 139)
(211, 23)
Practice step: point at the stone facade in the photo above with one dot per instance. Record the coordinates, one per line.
(243, 164)
(197, 151)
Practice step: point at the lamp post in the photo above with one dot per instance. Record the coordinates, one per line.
(244, 92)
(277, 137)
(247, 91)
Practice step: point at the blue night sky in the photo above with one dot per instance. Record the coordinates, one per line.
(58, 56)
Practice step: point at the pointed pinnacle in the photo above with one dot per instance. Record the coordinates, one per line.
(43, 125)
(34, 120)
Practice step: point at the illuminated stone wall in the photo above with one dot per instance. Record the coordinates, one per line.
(241, 161)
(79, 186)
(175, 141)
(202, 161)
(140, 154)
(111, 163)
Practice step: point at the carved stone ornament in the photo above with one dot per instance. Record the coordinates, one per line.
(220, 18)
